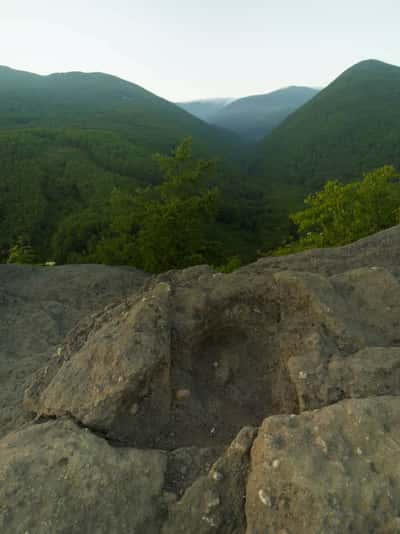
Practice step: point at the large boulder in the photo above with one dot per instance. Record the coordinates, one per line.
(199, 355)
(38, 307)
(331, 470)
(58, 478)
(118, 383)
(189, 363)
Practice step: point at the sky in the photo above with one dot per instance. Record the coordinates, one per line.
(190, 49)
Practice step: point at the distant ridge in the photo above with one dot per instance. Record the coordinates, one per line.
(205, 109)
(253, 117)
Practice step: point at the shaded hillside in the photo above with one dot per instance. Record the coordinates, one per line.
(350, 127)
(205, 109)
(100, 101)
(48, 174)
(253, 117)
(67, 140)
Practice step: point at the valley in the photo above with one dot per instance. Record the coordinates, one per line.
(73, 143)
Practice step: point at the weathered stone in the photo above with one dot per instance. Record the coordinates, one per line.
(379, 250)
(186, 465)
(56, 478)
(331, 470)
(215, 503)
(118, 382)
(38, 306)
(192, 357)
(369, 372)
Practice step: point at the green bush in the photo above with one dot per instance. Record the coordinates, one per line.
(341, 214)
(22, 252)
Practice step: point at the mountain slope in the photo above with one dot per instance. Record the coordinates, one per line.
(350, 127)
(67, 140)
(253, 117)
(205, 109)
(101, 101)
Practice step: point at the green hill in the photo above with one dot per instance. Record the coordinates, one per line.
(103, 102)
(253, 117)
(67, 140)
(349, 128)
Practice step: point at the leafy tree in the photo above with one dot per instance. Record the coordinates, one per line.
(22, 252)
(56, 183)
(340, 214)
(77, 236)
(165, 226)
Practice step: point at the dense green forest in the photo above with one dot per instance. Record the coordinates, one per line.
(349, 128)
(96, 169)
(58, 182)
(97, 101)
(68, 142)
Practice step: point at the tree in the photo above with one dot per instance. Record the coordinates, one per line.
(340, 214)
(165, 226)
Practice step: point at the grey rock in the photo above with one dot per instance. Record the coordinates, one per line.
(118, 382)
(215, 503)
(332, 470)
(379, 250)
(58, 478)
(38, 307)
(193, 361)
(187, 464)
(369, 372)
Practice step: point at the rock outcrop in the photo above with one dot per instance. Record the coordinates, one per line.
(332, 470)
(262, 401)
(38, 307)
(57, 477)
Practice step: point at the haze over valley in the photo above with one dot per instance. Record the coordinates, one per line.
(252, 117)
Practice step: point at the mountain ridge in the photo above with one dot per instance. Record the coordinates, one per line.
(63, 95)
(348, 128)
(68, 140)
(253, 117)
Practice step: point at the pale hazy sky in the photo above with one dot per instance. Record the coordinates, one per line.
(187, 49)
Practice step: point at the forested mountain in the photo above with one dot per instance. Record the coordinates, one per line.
(205, 109)
(349, 128)
(253, 117)
(67, 141)
(103, 102)
(77, 151)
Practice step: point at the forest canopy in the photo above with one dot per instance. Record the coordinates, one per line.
(155, 228)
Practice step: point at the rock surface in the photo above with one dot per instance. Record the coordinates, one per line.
(269, 396)
(38, 307)
(332, 470)
(55, 477)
